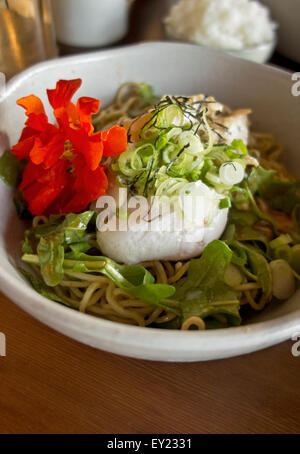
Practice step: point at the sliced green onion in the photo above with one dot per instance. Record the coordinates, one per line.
(136, 161)
(161, 141)
(283, 252)
(295, 258)
(225, 203)
(125, 163)
(180, 165)
(145, 151)
(212, 178)
(170, 152)
(284, 285)
(238, 144)
(209, 133)
(231, 173)
(233, 276)
(170, 116)
(280, 241)
(174, 133)
(194, 147)
(218, 156)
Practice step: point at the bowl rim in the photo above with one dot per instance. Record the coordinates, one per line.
(95, 54)
(121, 338)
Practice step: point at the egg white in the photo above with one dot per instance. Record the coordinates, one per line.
(201, 221)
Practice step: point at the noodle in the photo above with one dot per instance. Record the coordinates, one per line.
(38, 220)
(193, 321)
(98, 295)
(126, 104)
(268, 151)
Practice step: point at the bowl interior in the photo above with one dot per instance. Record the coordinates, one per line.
(169, 68)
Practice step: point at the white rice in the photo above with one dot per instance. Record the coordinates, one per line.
(223, 24)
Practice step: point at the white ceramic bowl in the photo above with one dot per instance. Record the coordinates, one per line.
(170, 68)
(287, 14)
(90, 22)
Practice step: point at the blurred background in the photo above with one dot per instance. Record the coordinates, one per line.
(36, 30)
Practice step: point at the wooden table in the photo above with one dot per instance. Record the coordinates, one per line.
(52, 384)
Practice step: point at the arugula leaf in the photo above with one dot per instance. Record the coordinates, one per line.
(146, 93)
(41, 288)
(239, 255)
(247, 233)
(259, 177)
(63, 245)
(260, 267)
(26, 246)
(242, 217)
(53, 226)
(134, 279)
(11, 169)
(82, 246)
(257, 263)
(241, 227)
(75, 225)
(281, 195)
(201, 307)
(51, 258)
(204, 293)
(54, 237)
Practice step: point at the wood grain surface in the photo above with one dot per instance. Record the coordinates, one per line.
(52, 384)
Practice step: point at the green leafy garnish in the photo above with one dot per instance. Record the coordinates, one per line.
(279, 195)
(251, 257)
(10, 169)
(51, 258)
(259, 177)
(205, 293)
(41, 288)
(62, 244)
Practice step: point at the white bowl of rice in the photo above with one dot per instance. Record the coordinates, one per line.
(242, 28)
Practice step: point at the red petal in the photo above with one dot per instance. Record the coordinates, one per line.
(90, 146)
(26, 133)
(41, 187)
(53, 150)
(88, 186)
(44, 197)
(34, 138)
(39, 123)
(31, 174)
(63, 93)
(37, 153)
(23, 147)
(32, 104)
(114, 141)
(86, 107)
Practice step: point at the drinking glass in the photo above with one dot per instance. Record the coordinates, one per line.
(26, 34)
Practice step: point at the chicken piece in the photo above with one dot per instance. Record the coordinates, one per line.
(232, 126)
(213, 107)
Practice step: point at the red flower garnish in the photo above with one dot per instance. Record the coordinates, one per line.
(63, 173)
